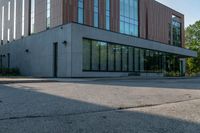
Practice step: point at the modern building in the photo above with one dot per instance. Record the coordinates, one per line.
(91, 38)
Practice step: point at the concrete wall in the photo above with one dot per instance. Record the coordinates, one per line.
(38, 61)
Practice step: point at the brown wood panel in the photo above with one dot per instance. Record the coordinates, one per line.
(88, 12)
(56, 13)
(65, 11)
(154, 21)
(114, 15)
(102, 14)
(74, 10)
(40, 15)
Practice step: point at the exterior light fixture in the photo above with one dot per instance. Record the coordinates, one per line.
(65, 43)
(27, 50)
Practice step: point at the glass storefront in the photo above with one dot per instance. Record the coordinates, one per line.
(110, 57)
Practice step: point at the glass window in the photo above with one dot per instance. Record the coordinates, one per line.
(95, 55)
(2, 24)
(169, 34)
(108, 14)
(80, 11)
(103, 56)
(129, 17)
(111, 55)
(137, 59)
(130, 59)
(141, 60)
(23, 16)
(86, 54)
(8, 10)
(32, 16)
(124, 58)
(147, 60)
(8, 35)
(160, 62)
(14, 19)
(176, 33)
(48, 13)
(96, 13)
(118, 58)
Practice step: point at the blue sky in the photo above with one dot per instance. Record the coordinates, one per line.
(190, 8)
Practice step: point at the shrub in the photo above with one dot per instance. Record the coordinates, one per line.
(9, 72)
(173, 74)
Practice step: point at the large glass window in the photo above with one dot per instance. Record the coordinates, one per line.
(141, 60)
(130, 59)
(103, 55)
(176, 31)
(96, 13)
(110, 57)
(129, 17)
(23, 16)
(2, 24)
(124, 58)
(14, 21)
(32, 16)
(48, 13)
(86, 55)
(8, 10)
(95, 55)
(108, 14)
(137, 59)
(8, 35)
(118, 58)
(81, 11)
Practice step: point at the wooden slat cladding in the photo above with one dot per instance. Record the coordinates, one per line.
(114, 15)
(70, 11)
(65, 11)
(40, 15)
(56, 12)
(155, 19)
(102, 12)
(88, 12)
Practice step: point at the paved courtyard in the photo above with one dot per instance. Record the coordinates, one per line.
(100, 105)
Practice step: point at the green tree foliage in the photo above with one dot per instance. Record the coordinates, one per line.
(192, 34)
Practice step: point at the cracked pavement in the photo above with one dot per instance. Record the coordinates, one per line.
(100, 106)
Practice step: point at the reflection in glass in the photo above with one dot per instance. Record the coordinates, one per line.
(103, 56)
(95, 55)
(111, 55)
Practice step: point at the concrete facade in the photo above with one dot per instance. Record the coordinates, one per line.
(34, 54)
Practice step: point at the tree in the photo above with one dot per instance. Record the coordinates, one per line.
(192, 34)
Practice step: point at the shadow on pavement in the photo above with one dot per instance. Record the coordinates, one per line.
(29, 111)
(193, 83)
